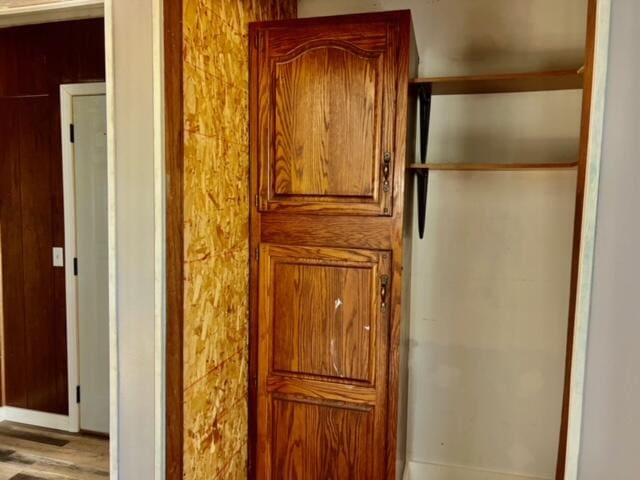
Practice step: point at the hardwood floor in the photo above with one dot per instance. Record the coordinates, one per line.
(32, 453)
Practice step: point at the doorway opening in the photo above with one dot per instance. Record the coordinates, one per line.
(84, 159)
(54, 247)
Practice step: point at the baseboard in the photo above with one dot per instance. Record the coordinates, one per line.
(431, 471)
(35, 418)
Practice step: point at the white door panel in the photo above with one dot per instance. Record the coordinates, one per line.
(90, 158)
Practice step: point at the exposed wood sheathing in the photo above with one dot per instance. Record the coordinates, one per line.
(216, 216)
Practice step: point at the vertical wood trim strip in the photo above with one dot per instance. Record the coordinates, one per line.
(592, 148)
(254, 244)
(577, 236)
(174, 155)
(403, 29)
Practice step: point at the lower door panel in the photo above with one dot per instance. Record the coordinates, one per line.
(322, 363)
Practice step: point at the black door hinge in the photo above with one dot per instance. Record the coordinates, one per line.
(78, 394)
(75, 266)
(72, 133)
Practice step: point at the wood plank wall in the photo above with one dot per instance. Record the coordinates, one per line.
(34, 61)
(216, 224)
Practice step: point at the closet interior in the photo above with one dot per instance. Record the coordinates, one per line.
(499, 172)
(469, 314)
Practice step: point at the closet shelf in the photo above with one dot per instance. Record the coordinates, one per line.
(417, 167)
(504, 83)
(425, 88)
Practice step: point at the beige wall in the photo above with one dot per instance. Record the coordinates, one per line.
(216, 210)
(491, 278)
(135, 228)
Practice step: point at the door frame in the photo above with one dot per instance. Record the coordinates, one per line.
(38, 13)
(67, 93)
(124, 18)
(599, 20)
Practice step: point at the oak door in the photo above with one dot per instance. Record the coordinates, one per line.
(326, 112)
(322, 377)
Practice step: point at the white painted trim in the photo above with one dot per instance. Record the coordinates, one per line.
(585, 265)
(160, 236)
(67, 92)
(39, 419)
(53, 5)
(94, 8)
(50, 12)
(114, 385)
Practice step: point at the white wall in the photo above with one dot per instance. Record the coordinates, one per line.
(611, 421)
(464, 37)
(491, 278)
(136, 203)
(488, 330)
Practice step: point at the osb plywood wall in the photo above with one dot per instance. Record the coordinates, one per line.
(216, 213)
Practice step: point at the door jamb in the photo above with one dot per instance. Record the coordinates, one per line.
(67, 92)
(46, 13)
(583, 261)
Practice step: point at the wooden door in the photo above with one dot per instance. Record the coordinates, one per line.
(91, 206)
(326, 117)
(323, 354)
(328, 109)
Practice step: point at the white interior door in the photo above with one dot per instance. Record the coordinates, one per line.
(90, 159)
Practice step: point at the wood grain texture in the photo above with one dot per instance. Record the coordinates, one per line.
(35, 171)
(577, 235)
(314, 226)
(34, 61)
(326, 118)
(336, 390)
(174, 165)
(41, 454)
(504, 83)
(339, 231)
(322, 319)
(405, 40)
(14, 379)
(319, 442)
(403, 330)
(30, 326)
(327, 123)
(306, 354)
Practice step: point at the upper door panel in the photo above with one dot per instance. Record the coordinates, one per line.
(326, 118)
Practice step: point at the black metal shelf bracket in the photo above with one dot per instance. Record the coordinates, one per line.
(422, 176)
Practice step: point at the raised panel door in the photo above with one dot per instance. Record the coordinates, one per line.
(326, 117)
(323, 355)
(328, 135)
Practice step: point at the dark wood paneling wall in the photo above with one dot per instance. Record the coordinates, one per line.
(34, 62)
